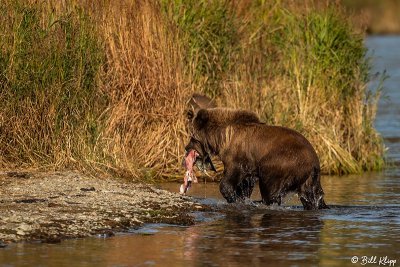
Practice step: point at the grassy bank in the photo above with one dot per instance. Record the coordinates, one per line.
(102, 88)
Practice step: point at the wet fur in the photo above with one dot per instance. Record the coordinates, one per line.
(281, 159)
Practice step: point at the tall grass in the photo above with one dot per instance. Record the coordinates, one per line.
(208, 32)
(103, 87)
(50, 102)
(147, 87)
(327, 68)
(315, 81)
(97, 87)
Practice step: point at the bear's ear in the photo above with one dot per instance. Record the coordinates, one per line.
(201, 119)
(197, 102)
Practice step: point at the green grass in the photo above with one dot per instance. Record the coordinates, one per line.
(209, 36)
(305, 68)
(50, 100)
(103, 87)
(325, 63)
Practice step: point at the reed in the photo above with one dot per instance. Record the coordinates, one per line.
(103, 87)
(314, 79)
(143, 77)
(50, 104)
(208, 34)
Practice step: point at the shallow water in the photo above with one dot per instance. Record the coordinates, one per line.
(363, 222)
(385, 53)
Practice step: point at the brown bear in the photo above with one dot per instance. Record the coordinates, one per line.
(281, 159)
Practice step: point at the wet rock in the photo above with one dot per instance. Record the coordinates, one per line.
(106, 234)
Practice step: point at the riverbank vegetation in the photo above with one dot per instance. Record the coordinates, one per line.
(103, 87)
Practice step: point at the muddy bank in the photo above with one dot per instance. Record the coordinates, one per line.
(51, 207)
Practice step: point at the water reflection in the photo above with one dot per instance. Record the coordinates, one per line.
(274, 237)
(366, 189)
(364, 219)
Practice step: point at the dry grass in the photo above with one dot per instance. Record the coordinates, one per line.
(144, 80)
(124, 118)
(102, 87)
(49, 63)
(314, 80)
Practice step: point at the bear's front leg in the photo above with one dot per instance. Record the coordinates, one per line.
(229, 183)
(245, 188)
(227, 191)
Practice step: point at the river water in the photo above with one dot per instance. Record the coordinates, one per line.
(362, 228)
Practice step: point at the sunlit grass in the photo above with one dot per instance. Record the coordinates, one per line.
(50, 101)
(103, 87)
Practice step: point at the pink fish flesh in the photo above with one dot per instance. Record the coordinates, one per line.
(190, 177)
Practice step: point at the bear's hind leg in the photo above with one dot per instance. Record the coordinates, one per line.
(311, 194)
(266, 197)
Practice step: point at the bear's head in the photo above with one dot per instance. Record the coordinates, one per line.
(208, 128)
(198, 102)
(203, 159)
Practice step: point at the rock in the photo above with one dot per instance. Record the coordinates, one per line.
(30, 200)
(106, 234)
(20, 232)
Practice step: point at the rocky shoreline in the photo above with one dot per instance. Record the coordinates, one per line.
(49, 207)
